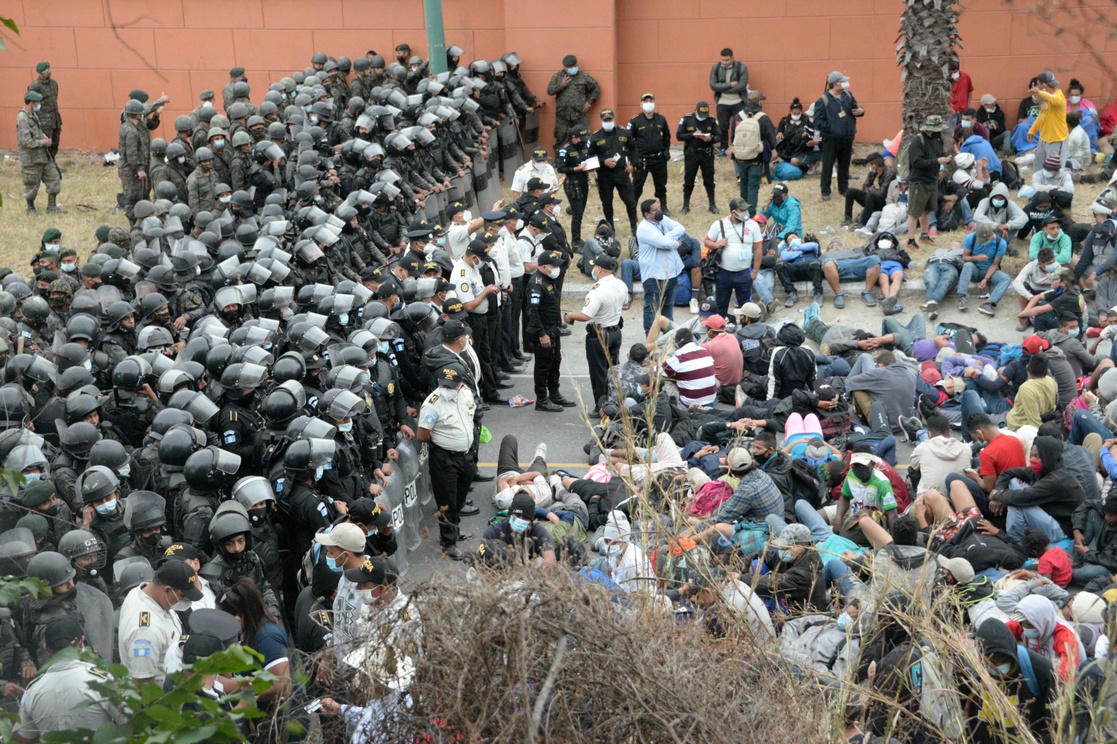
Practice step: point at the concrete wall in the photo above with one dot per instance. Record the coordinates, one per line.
(630, 46)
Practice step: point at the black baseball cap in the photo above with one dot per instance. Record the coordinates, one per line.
(539, 155)
(480, 249)
(454, 329)
(606, 261)
(179, 576)
(540, 221)
(65, 631)
(551, 258)
(450, 375)
(454, 209)
(377, 569)
(367, 511)
(607, 114)
(535, 183)
(454, 308)
(182, 552)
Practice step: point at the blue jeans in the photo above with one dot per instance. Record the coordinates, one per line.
(976, 400)
(831, 366)
(940, 278)
(764, 283)
(853, 269)
(730, 282)
(654, 289)
(630, 270)
(1021, 518)
(906, 335)
(1048, 321)
(690, 251)
(970, 274)
(748, 176)
(864, 363)
(1085, 423)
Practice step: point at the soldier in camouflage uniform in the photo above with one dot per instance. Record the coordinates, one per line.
(222, 159)
(575, 92)
(36, 165)
(184, 125)
(242, 160)
(49, 118)
(201, 186)
(133, 146)
(205, 99)
(236, 75)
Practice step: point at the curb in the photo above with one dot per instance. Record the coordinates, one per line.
(909, 287)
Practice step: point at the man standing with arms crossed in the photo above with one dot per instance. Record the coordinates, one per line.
(602, 313)
(35, 163)
(729, 80)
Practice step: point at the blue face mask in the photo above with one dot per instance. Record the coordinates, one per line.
(1032, 633)
(571, 71)
(785, 556)
(318, 473)
(343, 319)
(383, 347)
(844, 621)
(517, 524)
(68, 268)
(32, 477)
(106, 508)
(346, 427)
(332, 565)
(1004, 669)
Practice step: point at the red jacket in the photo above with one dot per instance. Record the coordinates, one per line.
(1066, 648)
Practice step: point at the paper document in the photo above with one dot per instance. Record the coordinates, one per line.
(593, 163)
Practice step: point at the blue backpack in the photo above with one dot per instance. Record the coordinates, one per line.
(787, 172)
(1007, 353)
(1024, 660)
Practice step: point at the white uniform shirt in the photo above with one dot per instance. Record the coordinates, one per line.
(467, 284)
(605, 300)
(61, 699)
(450, 422)
(545, 172)
(457, 239)
(515, 257)
(147, 634)
(737, 256)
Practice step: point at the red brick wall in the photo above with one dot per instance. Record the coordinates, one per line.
(630, 46)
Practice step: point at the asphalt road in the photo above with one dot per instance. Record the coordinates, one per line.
(565, 433)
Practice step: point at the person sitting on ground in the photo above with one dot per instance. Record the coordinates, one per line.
(755, 497)
(1076, 147)
(794, 572)
(1053, 562)
(873, 192)
(999, 211)
(784, 211)
(527, 538)
(890, 381)
(983, 251)
(1035, 624)
(796, 140)
(1054, 178)
(1048, 498)
(1053, 237)
(623, 377)
(939, 455)
(793, 365)
(724, 348)
(840, 265)
(692, 368)
(940, 275)
(799, 261)
(887, 247)
(1025, 678)
(1034, 279)
(993, 117)
(1037, 397)
(1062, 300)
(625, 562)
(864, 489)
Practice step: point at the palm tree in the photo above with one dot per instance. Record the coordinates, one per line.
(928, 36)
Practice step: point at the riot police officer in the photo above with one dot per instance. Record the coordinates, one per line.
(146, 518)
(230, 531)
(615, 149)
(571, 163)
(255, 494)
(344, 476)
(544, 315)
(700, 134)
(133, 405)
(206, 472)
(652, 135)
(239, 423)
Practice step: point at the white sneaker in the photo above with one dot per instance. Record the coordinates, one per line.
(864, 232)
(694, 306)
(541, 452)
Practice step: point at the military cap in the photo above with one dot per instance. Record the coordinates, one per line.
(539, 155)
(119, 236)
(569, 60)
(403, 47)
(452, 374)
(37, 523)
(702, 107)
(606, 262)
(46, 276)
(102, 233)
(455, 208)
(540, 221)
(454, 329)
(647, 97)
(36, 493)
(607, 114)
(454, 309)
(32, 97)
(206, 95)
(376, 570)
(535, 184)
(51, 233)
(39, 68)
(366, 511)
(236, 72)
(63, 631)
(480, 249)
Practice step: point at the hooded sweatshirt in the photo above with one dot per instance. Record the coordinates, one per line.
(937, 458)
(1057, 642)
(792, 366)
(986, 721)
(1010, 214)
(1055, 488)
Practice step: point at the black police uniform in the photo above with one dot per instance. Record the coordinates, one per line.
(239, 426)
(620, 145)
(698, 153)
(653, 150)
(577, 184)
(543, 318)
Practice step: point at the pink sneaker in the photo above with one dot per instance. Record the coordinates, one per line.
(934, 233)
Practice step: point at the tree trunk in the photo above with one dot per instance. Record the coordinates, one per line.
(928, 36)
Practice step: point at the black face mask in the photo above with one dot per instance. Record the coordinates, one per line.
(863, 472)
(258, 516)
(152, 541)
(69, 596)
(657, 215)
(51, 512)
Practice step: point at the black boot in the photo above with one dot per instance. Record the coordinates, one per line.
(543, 404)
(686, 207)
(31, 207)
(52, 206)
(557, 398)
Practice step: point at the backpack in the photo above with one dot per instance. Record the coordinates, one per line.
(805, 483)
(1007, 353)
(815, 643)
(932, 681)
(757, 353)
(1010, 175)
(747, 144)
(787, 172)
(709, 497)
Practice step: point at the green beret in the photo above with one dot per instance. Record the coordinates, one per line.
(51, 233)
(236, 72)
(42, 66)
(37, 523)
(112, 250)
(67, 252)
(206, 95)
(46, 276)
(31, 96)
(90, 270)
(139, 95)
(102, 233)
(36, 493)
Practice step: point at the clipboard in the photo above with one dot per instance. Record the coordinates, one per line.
(593, 163)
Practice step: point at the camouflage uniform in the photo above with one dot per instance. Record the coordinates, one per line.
(569, 101)
(35, 163)
(238, 171)
(133, 146)
(49, 118)
(201, 189)
(176, 173)
(188, 143)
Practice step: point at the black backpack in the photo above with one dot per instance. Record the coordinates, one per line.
(805, 483)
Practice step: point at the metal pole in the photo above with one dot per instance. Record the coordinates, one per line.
(436, 36)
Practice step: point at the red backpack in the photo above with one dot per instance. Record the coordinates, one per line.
(710, 497)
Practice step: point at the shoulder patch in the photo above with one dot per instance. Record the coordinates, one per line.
(98, 672)
(323, 618)
(145, 619)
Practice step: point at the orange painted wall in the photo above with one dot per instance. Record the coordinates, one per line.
(630, 46)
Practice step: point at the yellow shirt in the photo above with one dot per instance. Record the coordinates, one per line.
(1052, 119)
(1032, 401)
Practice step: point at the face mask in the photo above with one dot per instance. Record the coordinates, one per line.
(614, 550)
(990, 109)
(365, 595)
(785, 556)
(1004, 669)
(313, 118)
(53, 247)
(1035, 100)
(32, 477)
(106, 508)
(1052, 268)
(219, 144)
(572, 71)
(608, 126)
(796, 117)
(51, 512)
(794, 242)
(69, 268)
(207, 104)
(257, 516)
(845, 84)
(343, 319)
(884, 244)
(967, 124)
(152, 540)
(181, 606)
(1075, 99)
(88, 365)
(954, 76)
(38, 106)
(999, 203)
(844, 621)
(318, 473)
(648, 107)
(317, 198)
(382, 347)
(700, 117)
(518, 525)
(346, 427)
(124, 471)
(1032, 633)
(332, 565)
(224, 199)
(863, 472)
(657, 215)
(554, 272)
(449, 393)
(467, 215)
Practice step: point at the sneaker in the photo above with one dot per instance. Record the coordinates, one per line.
(933, 232)
(694, 306)
(839, 301)
(791, 300)
(863, 232)
(740, 397)
(911, 426)
(818, 299)
(541, 452)
(963, 302)
(810, 313)
(929, 306)
(847, 223)
(1023, 325)
(769, 309)
(825, 197)
(933, 314)
(894, 309)
(928, 239)
(988, 308)
(453, 553)
(627, 302)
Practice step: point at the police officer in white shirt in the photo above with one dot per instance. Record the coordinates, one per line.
(446, 422)
(602, 314)
(470, 288)
(537, 167)
(463, 225)
(149, 623)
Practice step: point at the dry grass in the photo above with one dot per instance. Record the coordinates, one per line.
(89, 195)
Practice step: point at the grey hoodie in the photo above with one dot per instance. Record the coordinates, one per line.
(1010, 215)
(937, 458)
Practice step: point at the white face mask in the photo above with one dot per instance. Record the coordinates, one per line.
(553, 272)
(181, 606)
(648, 107)
(450, 393)
(990, 109)
(607, 126)
(365, 595)
(180, 160)
(845, 84)
(954, 76)
(1075, 99)
(796, 117)
(884, 244)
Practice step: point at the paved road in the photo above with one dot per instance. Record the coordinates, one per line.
(566, 433)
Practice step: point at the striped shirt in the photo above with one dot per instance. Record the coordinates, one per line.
(692, 368)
